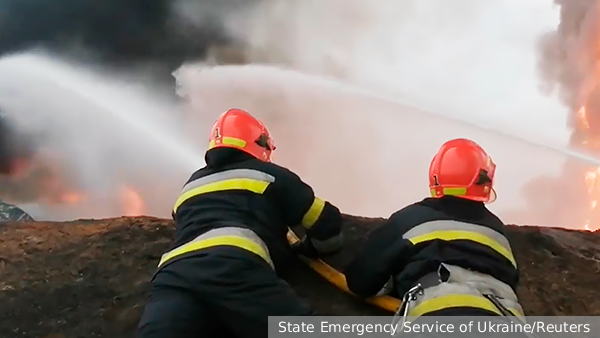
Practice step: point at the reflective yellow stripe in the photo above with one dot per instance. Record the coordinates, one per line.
(255, 186)
(453, 301)
(450, 230)
(236, 241)
(457, 300)
(313, 213)
(453, 235)
(450, 192)
(230, 141)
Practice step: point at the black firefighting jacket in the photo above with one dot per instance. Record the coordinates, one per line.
(417, 238)
(235, 189)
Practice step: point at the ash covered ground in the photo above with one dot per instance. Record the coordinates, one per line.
(88, 278)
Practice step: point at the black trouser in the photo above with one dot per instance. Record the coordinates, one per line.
(222, 292)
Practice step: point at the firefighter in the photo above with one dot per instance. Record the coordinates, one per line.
(447, 255)
(222, 276)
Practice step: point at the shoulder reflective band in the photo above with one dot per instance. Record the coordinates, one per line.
(230, 141)
(447, 230)
(229, 236)
(454, 301)
(236, 179)
(313, 213)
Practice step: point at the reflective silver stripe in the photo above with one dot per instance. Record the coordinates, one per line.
(227, 175)
(329, 245)
(241, 232)
(493, 239)
(246, 234)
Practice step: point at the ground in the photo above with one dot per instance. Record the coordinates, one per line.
(89, 278)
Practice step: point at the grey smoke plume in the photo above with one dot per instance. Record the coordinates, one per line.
(569, 65)
(569, 61)
(98, 139)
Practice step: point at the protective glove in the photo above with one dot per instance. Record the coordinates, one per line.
(305, 247)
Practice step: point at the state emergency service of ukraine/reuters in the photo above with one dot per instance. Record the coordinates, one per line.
(437, 327)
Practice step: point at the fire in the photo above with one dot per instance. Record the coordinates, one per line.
(594, 192)
(591, 177)
(72, 197)
(131, 201)
(569, 66)
(45, 177)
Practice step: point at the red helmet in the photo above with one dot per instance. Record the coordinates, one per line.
(463, 169)
(236, 128)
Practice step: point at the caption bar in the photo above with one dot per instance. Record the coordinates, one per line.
(337, 326)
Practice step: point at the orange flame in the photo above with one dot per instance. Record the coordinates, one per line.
(131, 201)
(592, 175)
(72, 197)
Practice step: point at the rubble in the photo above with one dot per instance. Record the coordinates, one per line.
(89, 278)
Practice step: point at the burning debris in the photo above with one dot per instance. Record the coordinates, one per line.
(27, 173)
(570, 63)
(97, 144)
(31, 173)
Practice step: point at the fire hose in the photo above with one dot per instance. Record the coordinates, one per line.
(338, 279)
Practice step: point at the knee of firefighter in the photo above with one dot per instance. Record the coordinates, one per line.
(445, 289)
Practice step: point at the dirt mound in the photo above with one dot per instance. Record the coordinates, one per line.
(89, 278)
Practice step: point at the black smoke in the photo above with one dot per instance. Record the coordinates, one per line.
(14, 146)
(156, 34)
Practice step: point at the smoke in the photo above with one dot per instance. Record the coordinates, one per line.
(14, 147)
(469, 59)
(569, 66)
(95, 136)
(569, 57)
(153, 36)
(363, 151)
(462, 59)
(54, 148)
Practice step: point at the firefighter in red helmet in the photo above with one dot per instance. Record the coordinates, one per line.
(221, 276)
(446, 255)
